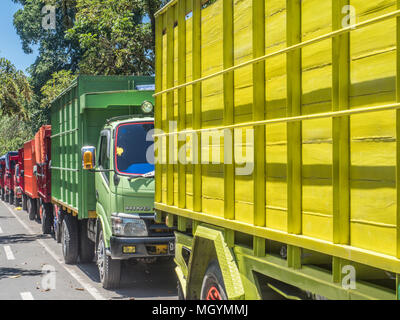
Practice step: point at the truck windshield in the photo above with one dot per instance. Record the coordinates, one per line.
(131, 148)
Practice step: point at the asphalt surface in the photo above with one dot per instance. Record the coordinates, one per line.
(32, 268)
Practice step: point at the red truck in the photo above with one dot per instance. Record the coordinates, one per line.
(2, 173)
(19, 179)
(11, 159)
(43, 177)
(31, 195)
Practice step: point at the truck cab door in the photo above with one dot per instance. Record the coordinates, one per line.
(102, 179)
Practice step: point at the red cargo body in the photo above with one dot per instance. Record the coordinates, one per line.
(11, 160)
(43, 158)
(37, 176)
(2, 174)
(43, 175)
(19, 178)
(31, 188)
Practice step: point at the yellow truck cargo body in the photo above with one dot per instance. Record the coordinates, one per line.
(309, 90)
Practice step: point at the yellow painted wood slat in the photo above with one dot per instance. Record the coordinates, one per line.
(294, 154)
(229, 166)
(170, 104)
(196, 60)
(259, 112)
(181, 101)
(341, 135)
(398, 138)
(288, 49)
(158, 108)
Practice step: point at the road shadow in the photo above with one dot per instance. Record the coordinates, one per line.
(140, 280)
(18, 272)
(21, 238)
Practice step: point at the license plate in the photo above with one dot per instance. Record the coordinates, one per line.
(161, 249)
(129, 249)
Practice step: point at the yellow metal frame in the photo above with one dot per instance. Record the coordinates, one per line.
(371, 258)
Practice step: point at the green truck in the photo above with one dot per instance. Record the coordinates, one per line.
(281, 169)
(102, 178)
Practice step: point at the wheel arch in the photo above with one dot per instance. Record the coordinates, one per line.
(103, 225)
(209, 244)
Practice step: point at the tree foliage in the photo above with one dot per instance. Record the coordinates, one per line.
(55, 51)
(113, 37)
(15, 90)
(13, 133)
(59, 82)
(107, 37)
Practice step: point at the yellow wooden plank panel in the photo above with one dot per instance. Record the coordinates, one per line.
(373, 147)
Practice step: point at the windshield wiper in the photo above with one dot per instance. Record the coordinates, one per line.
(146, 175)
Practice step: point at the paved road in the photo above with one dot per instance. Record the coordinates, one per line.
(32, 267)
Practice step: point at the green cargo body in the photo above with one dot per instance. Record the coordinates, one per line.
(316, 84)
(77, 116)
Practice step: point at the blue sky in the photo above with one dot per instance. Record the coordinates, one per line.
(10, 44)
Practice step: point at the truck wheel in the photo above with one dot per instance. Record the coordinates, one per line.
(24, 202)
(109, 269)
(47, 218)
(57, 213)
(7, 197)
(58, 226)
(2, 194)
(86, 246)
(32, 209)
(69, 239)
(17, 201)
(11, 198)
(213, 287)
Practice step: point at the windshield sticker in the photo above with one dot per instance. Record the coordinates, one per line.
(120, 151)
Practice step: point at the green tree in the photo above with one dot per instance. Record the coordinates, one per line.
(113, 36)
(59, 82)
(15, 90)
(14, 132)
(55, 52)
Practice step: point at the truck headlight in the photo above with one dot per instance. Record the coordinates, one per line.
(126, 226)
(147, 107)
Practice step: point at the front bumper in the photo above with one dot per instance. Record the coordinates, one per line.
(144, 247)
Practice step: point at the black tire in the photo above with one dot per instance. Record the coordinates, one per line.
(24, 202)
(38, 205)
(7, 197)
(47, 218)
(2, 195)
(17, 201)
(11, 198)
(69, 239)
(58, 226)
(213, 287)
(32, 209)
(109, 269)
(86, 246)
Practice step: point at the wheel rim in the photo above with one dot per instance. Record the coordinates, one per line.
(100, 259)
(213, 294)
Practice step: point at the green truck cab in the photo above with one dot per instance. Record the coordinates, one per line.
(103, 176)
(124, 183)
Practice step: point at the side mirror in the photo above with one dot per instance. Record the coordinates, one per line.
(88, 158)
(35, 171)
(22, 173)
